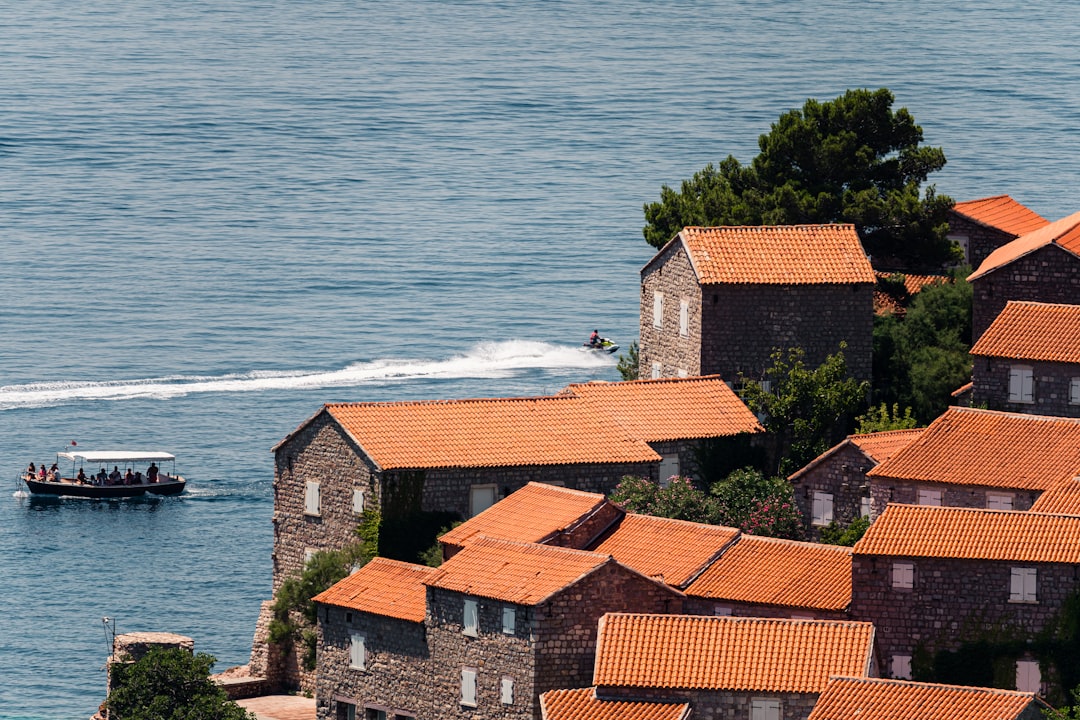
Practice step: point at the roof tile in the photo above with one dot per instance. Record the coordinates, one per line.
(582, 704)
(675, 550)
(875, 699)
(777, 254)
(969, 446)
(770, 571)
(973, 534)
(672, 408)
(877, 446)
(1064, 232)
(1002, 213)
(1033, 331)
(1063, 499)
(383, 587)
(755, 654)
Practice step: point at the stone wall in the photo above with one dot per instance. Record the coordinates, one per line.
(843, 475)
(906, 492)
(981, 240)
(712, 606)
(672, 275)
(1049, 274)
(951, 600)
(730, 704)
(990, 378)
(397, 672)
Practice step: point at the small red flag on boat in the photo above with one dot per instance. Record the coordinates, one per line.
(73, 443)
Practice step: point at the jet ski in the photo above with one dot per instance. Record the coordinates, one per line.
(604, 345)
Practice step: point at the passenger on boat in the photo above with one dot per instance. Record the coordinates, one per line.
(43, 474)
(152, 473)
(54, 473)
(81, 477)
(129, 477)
(138, 477)
(114, 476)
(31, 472)
(102, 478)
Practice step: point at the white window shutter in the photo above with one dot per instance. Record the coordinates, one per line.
(1074, 391)
(509, 619)
(357, 501)
(468, 687)
(1016, 585)
(1016, 385)
(1029, 585)
(311, 498)
(507, 691)
(1028, 677)
(658, 309)
(471, 618)
(357, 652)
(1029, 386)
(684, 318)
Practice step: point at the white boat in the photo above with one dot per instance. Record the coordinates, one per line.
(146, 475)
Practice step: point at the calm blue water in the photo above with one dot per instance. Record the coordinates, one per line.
(215, 217)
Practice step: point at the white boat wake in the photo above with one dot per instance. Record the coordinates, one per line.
(486, 360)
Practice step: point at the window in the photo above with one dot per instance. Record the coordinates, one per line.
(656, 371)
(822, 512)
(901, 667)
(684, 318)
(658, 310)
(311, 498)
(962, 242)
(761, 709)
(357, 501)
(468, 687)
(506, 691)
(928, 496)
(357, 653)
(509, 620)
(1028, 677)
(999, 501)
(1021, 384)
(375, 714)
(346, 711)
(864, 507)
(1074, 391)
(669, 466)
(681, 372)
(722, 610)
(308, 554)
(1022, 586)
(481, 497)
(903, 576)
(471, 618)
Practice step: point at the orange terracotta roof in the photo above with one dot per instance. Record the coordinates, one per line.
(675, 550)
(878, 446)
(888, 301)
(383, 587)
(532, 514)
(777, 254)
(515, 572)
(770, 571)
(671, 409)
(1063, 499)
(973, 534)
(487, 433)
(962, 390)
(875, 699)
(1033, 331)
(728, 653)
(1064, 232)
(1001, 212)
(582, 704)
(969, 446)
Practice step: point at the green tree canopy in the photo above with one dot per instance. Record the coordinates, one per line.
(170, 684)
(848, 160)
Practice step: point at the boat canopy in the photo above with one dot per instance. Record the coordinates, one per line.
(116, 456)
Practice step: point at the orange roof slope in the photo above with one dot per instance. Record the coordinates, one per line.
(383, 587)
(1033, 331)
(874, 699)
(969, 446)
(973, 534)
(700, 652)
(520, 573)
(1063, 499)
(582, 704)
(770, 571)
(1064, 232)
(878, 446)
(670, 409)
(777, 254)
(532, 514)
(487, 433)
(1002, 213)
(888, 301)
(673, 549)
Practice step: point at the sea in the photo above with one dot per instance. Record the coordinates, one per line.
(217, 216)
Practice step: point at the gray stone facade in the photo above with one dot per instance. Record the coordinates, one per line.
(841, 476)
(734, 328)
(906, 492)
(1050, 394)
(978, 239)
(720, 703)
(710, 606)
(950, 601)
(1050, 274)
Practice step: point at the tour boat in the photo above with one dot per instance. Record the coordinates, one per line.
(148, 477)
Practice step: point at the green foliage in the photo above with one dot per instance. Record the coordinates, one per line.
(716, 458)
(807, 410)
(758, 505)
(628, 362)
(679, 500)
(170, 684)
(1069, 712)
(880, 419)
(836, 534)
(920, 359)
(850, 160)
(433, 556)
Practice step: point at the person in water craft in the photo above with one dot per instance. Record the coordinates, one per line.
(594, 339)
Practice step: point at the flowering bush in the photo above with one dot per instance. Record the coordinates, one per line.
(679, 500)
(758, 505)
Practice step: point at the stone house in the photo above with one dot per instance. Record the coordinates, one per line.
(582, 704)
(1040, 266)
(977, 458)
(771, 577)
(833, 487)
(933, 578)
(1028, 360)
(981, 226)
(752, 668)
(878, 699)
(720, 300)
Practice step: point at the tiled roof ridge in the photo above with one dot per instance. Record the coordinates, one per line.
(993, 204)
(648, 381)
(825, 547)
(734, 619)
(677, 521)
(881, 433)
(948, 509)
(450, 401)
(1028, 243)
(1021, 417)
(943, 686)
(488, 541)
(764, 228)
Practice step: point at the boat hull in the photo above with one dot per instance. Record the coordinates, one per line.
(67, 488)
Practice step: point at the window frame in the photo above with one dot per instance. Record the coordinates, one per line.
(358, 501)
(658, 310)
(312, 498)
(506, 690)
(509, 619)
(468, 686)
(357, 651)
(472, 496)
(657, 371)
(1024, 670)
(1022, 384)
(934, 495)
(823, 501)
(1024, 585)
(470, 617)
(900, 667)
(999, 498)
(903, 576)
(684, 317)
(765, 709)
